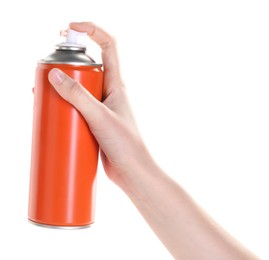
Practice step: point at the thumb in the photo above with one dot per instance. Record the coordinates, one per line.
(72, 91)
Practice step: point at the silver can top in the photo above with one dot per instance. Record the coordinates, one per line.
(70, 52)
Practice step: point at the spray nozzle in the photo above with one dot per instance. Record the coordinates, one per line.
(71, 37)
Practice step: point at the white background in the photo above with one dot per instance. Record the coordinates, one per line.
(197, 76)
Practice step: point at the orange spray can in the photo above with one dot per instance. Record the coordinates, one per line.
(64, 151)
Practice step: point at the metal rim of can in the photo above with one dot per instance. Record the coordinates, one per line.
(59, 227)
(73, 55)
(70, 47)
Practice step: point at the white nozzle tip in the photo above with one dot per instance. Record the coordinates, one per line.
(72, 35)
(63, 33)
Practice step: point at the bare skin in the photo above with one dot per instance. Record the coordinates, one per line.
(182, 226)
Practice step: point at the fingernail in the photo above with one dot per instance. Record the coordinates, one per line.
(56, 76)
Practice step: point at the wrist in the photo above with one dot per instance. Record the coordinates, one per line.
(137, 171)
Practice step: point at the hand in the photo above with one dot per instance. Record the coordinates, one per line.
(111, 122)
(186, 230)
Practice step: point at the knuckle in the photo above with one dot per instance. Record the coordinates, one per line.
(110, 42)
(75, 90)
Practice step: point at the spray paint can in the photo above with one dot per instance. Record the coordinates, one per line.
(64, 151)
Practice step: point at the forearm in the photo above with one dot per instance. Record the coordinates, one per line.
(186, 231)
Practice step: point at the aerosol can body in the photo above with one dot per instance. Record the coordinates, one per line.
(64, 151)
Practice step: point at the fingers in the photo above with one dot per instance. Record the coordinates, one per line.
(91, 109)
(107, 44)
